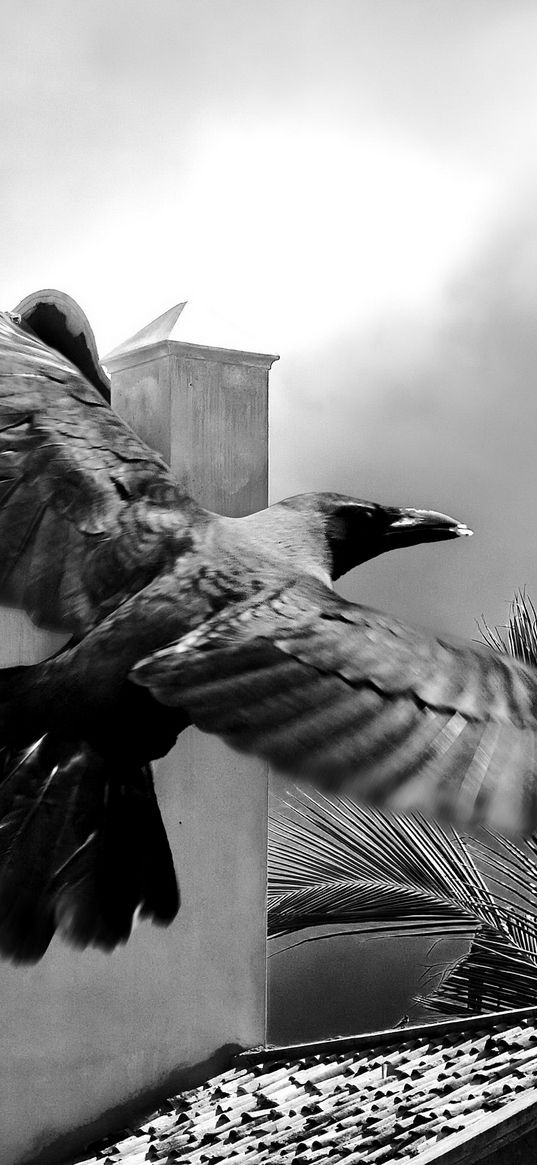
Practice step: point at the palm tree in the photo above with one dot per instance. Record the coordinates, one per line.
(332, 861)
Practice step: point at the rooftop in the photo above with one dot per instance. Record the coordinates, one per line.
(412, 1094)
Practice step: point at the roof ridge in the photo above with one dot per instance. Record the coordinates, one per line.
(387, 1035)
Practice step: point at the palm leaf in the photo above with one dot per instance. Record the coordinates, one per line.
(497, 973)
(372, 905)
(519, 635)
(500, 969)
(333, 861)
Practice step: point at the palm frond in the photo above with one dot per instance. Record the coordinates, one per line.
(371, 905)
(519, 635)
(500, 969)
(333, 861)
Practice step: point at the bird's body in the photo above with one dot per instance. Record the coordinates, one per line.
(180, 616)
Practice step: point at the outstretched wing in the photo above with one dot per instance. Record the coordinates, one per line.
(346, 698)
(58, 320)
(88, 513)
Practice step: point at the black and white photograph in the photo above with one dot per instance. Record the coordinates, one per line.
(268, 582)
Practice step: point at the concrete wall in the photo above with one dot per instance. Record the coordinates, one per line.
(88, 1038)
(206, 411)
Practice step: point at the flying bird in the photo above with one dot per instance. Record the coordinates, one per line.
(179, 616)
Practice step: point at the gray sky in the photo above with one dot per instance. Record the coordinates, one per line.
(353, 184)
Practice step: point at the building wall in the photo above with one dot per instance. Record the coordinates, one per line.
(87, 1037)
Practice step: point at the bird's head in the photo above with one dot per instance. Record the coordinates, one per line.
(355, 531)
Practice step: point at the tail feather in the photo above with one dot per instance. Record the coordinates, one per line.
(82, 849)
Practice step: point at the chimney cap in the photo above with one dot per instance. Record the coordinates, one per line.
(189, 325)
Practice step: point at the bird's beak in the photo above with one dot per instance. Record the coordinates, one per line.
(409, 527)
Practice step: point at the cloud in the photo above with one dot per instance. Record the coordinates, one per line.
(440, 414)
(351, 183)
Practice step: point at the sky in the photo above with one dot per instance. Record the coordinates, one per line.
(352, 183)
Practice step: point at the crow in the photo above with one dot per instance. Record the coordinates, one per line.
(179, 616)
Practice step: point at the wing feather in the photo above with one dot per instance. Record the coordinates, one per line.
(336, 694)
(89, 514)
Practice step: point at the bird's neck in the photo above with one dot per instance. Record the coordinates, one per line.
(276, 542)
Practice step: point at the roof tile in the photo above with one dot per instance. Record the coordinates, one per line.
(388, 1102)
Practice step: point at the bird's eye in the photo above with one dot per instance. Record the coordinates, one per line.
(356, 515)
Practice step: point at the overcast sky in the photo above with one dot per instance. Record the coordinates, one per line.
(353, 183)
